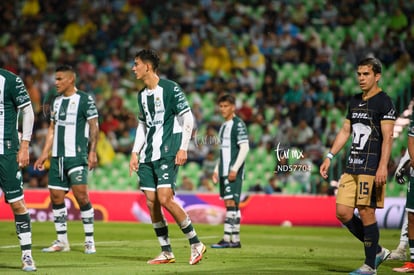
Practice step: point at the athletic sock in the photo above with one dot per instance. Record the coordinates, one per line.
(356, 227)
(189, 231)
(60, 214)
(24, 231)
(229, 223)
(235, 234)
(411, 244)
(371, 237)
(161, 231)
(87, 215)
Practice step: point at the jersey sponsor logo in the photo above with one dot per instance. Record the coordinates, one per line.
(177, 91)
(22, 98)
(164, 167)
(91, 112)
(362, 104)
(154, 123)
(65, 123)
(360, 115)
(182, 105)
(390, 115)
(355, 160)
(165, 176)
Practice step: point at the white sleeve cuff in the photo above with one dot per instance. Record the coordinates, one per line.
(28, 121)
(139, 137)
(244, 149)
(188, 124)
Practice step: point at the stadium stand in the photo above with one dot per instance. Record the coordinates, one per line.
(311, 48)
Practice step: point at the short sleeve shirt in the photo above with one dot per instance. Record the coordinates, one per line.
(70, 116)
(13, 96)
(366, 117)
(160, 111)
(232, 133)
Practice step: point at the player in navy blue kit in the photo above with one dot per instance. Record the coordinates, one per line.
(370, 122)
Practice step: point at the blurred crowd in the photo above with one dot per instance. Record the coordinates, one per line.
(209, 47)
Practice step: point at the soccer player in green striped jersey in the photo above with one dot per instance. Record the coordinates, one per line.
(13, 156)
(229, 171)
(165, 125)
(73, 124)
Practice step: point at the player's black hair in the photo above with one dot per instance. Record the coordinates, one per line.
(226, 98)
(373, 62)
(148, 55)
(65, 68)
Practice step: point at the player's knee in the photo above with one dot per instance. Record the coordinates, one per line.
(150, 204)
(18, 207)
(343, 216)
(165, 201)
(82, 200)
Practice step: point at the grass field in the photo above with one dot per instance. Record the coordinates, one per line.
(124, 248)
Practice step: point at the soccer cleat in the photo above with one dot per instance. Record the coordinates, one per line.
(381, 257)
(197, 251)
(27, 263)
(408, 267)
(399, 254)
(90, 247)
(57, 246)
(364, 270)
(221, 244)
(235, 244)
(165, 257)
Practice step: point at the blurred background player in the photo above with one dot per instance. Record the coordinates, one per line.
(229, 171)
(400, 253)
(14, 156)
(408, 267)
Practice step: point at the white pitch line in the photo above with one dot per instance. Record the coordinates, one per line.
(108, 242)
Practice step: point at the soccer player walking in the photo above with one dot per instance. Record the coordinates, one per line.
(14, 156)
(165, 125)
(370, 121)
(229, 171)
(73, 124)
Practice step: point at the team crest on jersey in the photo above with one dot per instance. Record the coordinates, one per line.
(72, 106)
(157, 102)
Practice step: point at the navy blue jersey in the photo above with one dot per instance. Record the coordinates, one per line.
(365, 117)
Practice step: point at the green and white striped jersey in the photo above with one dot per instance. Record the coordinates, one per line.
(71, 115)
(13, 96)
(159, 110)
(232, 133)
